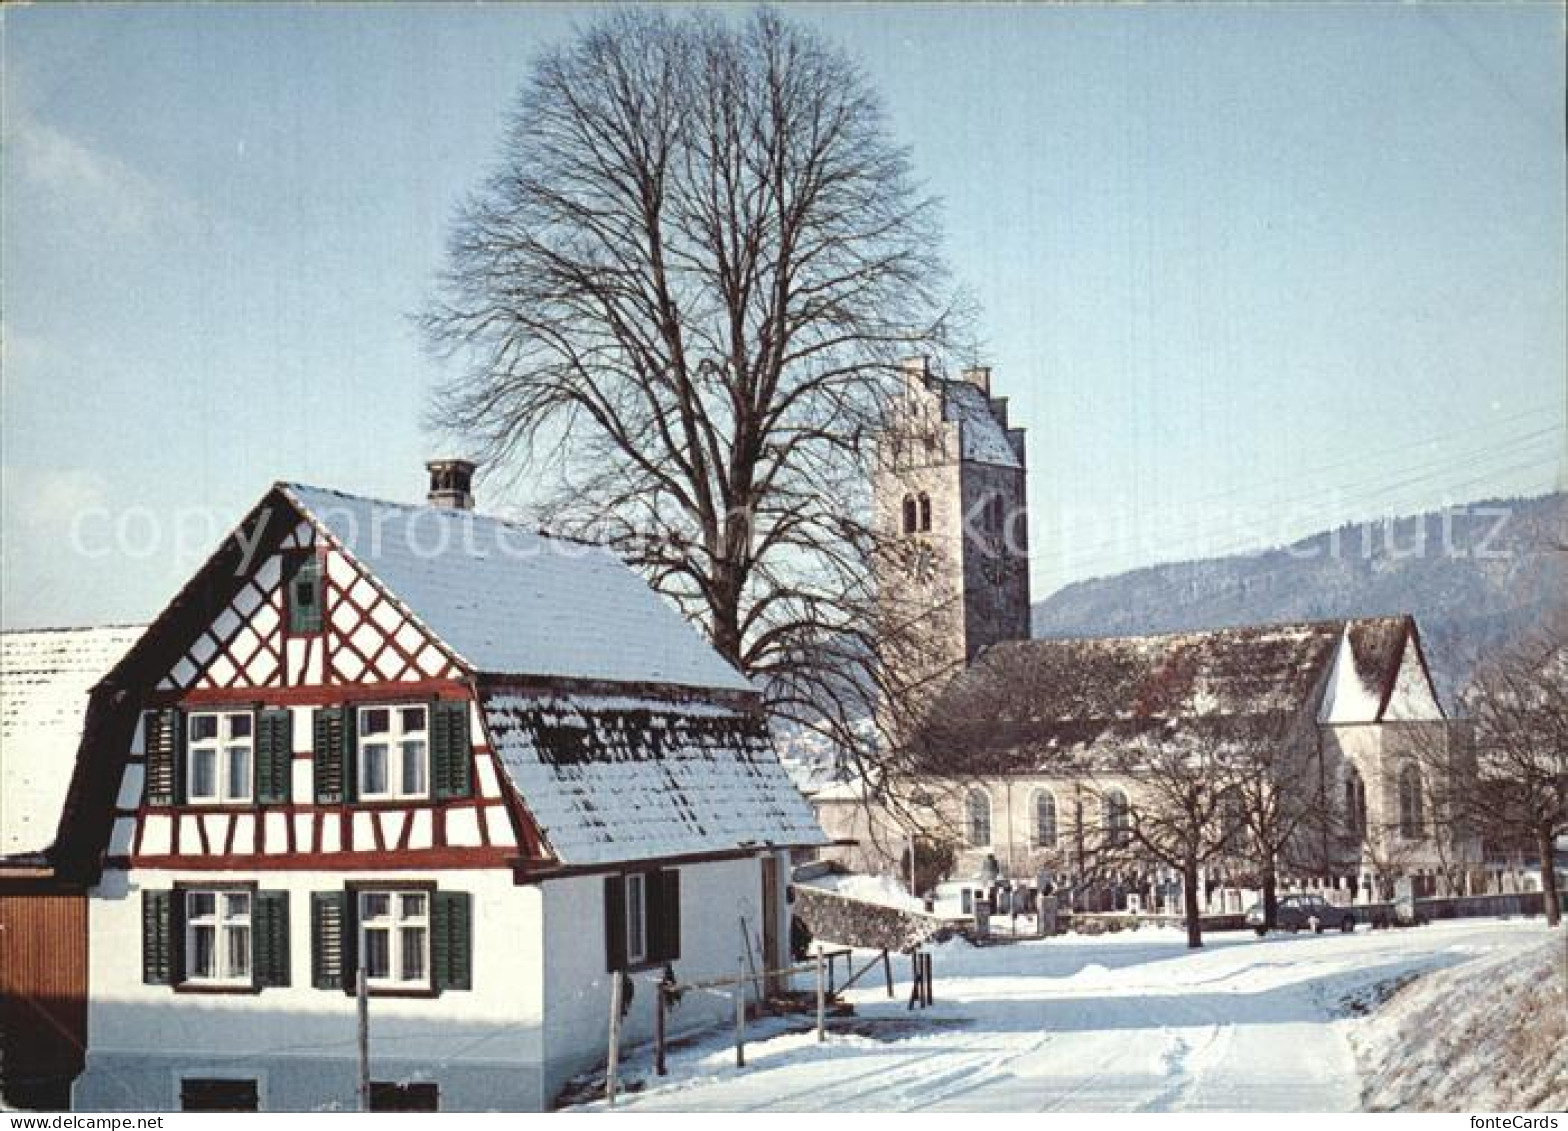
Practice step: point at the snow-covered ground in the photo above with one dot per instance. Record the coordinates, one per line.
(1491, 1035)
(1131, 1021)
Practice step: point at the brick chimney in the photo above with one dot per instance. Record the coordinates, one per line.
(451, 484)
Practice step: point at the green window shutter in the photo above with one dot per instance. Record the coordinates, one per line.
(333, 960)
(452, 941)
(350, 752)
(450, 752)
(304, 592)
(274, 756)
(157, 938)
(270, 938)
(333, 764)
(666, 886)
(163, 740)
(653, 915)
(614, 923)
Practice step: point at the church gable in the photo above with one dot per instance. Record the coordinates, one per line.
(1412, 698)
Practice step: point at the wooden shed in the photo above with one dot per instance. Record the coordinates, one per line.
(43, 987)
(45, 678)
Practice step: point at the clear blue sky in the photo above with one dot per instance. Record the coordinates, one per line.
(1246, 271)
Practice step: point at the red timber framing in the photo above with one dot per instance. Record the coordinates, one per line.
(365, 636)
(402, 833)
(375, 652)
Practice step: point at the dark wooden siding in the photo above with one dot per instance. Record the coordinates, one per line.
(43, 996)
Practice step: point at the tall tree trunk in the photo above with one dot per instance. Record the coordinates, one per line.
(1550, 898)
(1189, 886)
(1270, 895)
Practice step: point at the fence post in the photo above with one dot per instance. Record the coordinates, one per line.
(928, 962)
(822, 998)
(362, 1016)
(740, 1013)
(615, 1038)
(887, 970)
(658, 1030)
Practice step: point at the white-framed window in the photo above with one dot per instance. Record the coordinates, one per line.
(220, 749)
(394, 938)
(977, 805)
(636, 919)
(394, 752)
(1044, 819)
(217, 937)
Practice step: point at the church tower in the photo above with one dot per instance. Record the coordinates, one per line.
(950, 499)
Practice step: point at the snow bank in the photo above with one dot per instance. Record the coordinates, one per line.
(883, 890)
(1489, 1035)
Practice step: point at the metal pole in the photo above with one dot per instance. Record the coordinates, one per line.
(822, 998)
(740, 1013)
(362, 1009)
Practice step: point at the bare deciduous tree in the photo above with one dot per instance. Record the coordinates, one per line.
(1270, 771)
(681, 300)
(1518, 706)
(1182, 811)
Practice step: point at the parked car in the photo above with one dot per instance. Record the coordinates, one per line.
(1303, 911)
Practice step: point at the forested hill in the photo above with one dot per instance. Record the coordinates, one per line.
(1472, 575)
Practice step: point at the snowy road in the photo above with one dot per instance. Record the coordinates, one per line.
(1125, 1022)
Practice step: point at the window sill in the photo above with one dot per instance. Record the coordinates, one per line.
(397, 991)
(217, 988)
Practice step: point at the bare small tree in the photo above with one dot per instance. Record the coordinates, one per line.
(1518, 706)
(1270, 773)
(1180, 813)
(681, 300)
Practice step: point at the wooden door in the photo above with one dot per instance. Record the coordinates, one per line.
(772, 910)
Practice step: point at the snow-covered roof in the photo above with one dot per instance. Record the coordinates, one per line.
(609, 779)
(983, 438)
(1024, 703)
(45, 676)
(511, 601)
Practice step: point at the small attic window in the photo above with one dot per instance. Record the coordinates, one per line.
(303, 574)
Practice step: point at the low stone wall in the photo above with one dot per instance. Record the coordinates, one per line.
(835, 918)
(1480, 906)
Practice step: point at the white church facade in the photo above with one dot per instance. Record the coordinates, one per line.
(1022, 742)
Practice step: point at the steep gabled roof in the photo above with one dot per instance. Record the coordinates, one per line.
(45, 678)
(510, 601)
(1026, 704)
(982, 437)
(515, 609)
(613, 778)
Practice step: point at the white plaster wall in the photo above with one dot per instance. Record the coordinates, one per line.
(482, 1047)
(714, 896)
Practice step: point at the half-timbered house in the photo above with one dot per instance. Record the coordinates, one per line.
(490, 769)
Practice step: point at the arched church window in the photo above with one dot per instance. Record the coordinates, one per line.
(1044, 819)
(977, 805)
(1412, 819)
(925, 511)
(1355, 803)
(911, 514)
(1117, 817)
